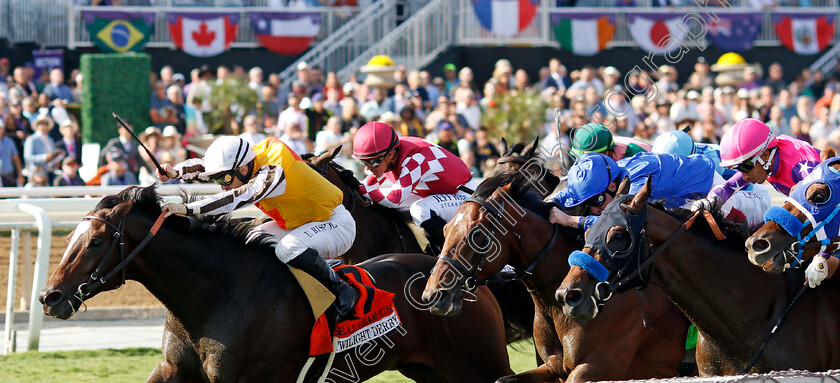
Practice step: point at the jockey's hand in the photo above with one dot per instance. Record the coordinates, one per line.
(710, 204)
(560, 217)
(170, 173)
(175, 208)
(817, 270)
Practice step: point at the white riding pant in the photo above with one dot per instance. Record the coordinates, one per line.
(331, 238)
(444, 205)
(752, 204)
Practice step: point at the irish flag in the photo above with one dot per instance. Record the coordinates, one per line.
(656, 33)
(805, 34)
(583, 34)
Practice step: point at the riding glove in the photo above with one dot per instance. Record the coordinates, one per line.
(710, 204)
(175, 208)
(817, 270)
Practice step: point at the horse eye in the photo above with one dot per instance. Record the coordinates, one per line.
(818, 198)
(618, 242)
(95, 242)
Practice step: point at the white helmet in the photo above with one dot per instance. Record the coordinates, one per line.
(225, 154)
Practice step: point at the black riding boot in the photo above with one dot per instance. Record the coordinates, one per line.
(312, 263)
(434, 232)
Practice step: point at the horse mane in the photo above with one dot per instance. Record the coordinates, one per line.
(347, 176)
(733, 237)
(520, 191)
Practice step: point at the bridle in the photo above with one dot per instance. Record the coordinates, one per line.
(97, 278)
(794, 227)
(477, 262)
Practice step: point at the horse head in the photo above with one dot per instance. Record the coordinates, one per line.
(528, 159)
(803, 226)
(98, 251)
(615, 245)
(490, 230)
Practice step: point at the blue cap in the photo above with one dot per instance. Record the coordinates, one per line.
(445, 125)
(590, 175)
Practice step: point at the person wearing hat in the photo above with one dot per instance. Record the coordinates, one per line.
(126, 144)
(425, 176)
(450, 76)
(16, 126)
(70, 142)
(594, 179)
(596, 138)
(701, 73)
(309, 222)
(118, 171)
(69, 174)
(39, 148)
(317, 116)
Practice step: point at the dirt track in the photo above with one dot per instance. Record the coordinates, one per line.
(131, 295)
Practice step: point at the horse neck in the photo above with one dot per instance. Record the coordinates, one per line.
(537, 233)
(729, 299)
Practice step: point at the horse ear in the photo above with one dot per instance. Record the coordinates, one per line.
(335, 152)
(827, 153)
(530, 149)
(504, 146)
(642, 196)
(624, 186)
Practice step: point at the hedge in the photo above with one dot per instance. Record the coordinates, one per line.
(114, 83)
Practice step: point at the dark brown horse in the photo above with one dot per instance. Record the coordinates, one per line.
(534, 164)
(381, 230)
(641, 336)
(733, 303)
(237, 314)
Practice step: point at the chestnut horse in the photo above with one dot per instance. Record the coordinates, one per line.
(641, 335)
(733, 303)
(237, 314)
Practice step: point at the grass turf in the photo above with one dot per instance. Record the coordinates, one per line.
(135, 364)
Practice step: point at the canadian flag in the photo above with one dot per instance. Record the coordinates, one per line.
(203, 34)
(805, 34)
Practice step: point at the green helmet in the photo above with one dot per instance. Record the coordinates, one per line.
(591, 138)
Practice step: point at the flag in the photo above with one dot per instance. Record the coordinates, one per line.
(650, 31)
(505, 18)
(202, 34)
(734, 32)
(119, 31)
(805, 34)
(286, 33)
(583, 34)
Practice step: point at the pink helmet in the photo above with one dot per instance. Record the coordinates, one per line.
(373, 140)
(745, 140)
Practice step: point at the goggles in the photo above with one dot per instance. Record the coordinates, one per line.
(224, 179)
(744, 167)
(374, 162)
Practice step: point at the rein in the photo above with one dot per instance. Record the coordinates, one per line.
(95, 280)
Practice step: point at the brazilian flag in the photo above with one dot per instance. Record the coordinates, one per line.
(119, 31)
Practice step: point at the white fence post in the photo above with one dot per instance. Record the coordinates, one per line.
(26, 269)
(42, 264)
(10, 294)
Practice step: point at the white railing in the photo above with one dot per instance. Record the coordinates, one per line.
(828, 61)
(415, 42)
(348, 42)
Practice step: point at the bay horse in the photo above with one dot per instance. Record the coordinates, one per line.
(788, 236)
(237, 314)
(503, 222)
(532, 162)
(381, 229)
(733, 303)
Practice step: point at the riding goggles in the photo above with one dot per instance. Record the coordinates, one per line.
(744, 167)
(223, 179)
(374, 162)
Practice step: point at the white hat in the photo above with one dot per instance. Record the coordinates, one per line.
(611, 71)
(170, 131)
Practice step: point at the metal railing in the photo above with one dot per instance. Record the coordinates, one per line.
(417, 41)
(348, 42)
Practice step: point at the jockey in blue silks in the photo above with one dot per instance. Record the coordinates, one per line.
(747, 204)
(594, 178)
(823, 217)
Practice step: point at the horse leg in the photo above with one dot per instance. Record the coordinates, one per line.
(538, 375)
(421, 373)
(169, 373)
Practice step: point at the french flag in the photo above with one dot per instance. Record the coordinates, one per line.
(505, 18)
(286, 33)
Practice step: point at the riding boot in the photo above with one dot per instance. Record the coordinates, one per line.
(434, 232)
(345, 295)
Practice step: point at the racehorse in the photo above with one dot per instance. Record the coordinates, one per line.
(733, 303)
(237, 314)
(788, 236)
(381, 230)
(641, 336)
(531, 162)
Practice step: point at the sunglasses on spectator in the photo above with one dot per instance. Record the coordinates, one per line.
(374, 162)
(224, 179)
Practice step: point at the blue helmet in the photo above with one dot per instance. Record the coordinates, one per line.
(674, 142)
(589, 176)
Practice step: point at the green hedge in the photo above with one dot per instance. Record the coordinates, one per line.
(116, 83)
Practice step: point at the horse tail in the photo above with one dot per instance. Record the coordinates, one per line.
(517, 308)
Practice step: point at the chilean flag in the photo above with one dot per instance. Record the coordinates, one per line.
(505, 18)
(805, 34)
(202, 34)
(286, 33)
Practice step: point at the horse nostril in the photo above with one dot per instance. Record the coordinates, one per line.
(52, 298)
(759, 245)
(573, 297)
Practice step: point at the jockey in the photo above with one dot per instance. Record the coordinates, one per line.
(425, 177)
(594, 179)
(596, 138)
(783, 161)
(308, 219)
(746, 205)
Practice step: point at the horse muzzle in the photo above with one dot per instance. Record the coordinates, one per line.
(58, 304)
(445, 302)
(576, 304)
(764, 253)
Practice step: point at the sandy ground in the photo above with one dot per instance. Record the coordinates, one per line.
(131, 295)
